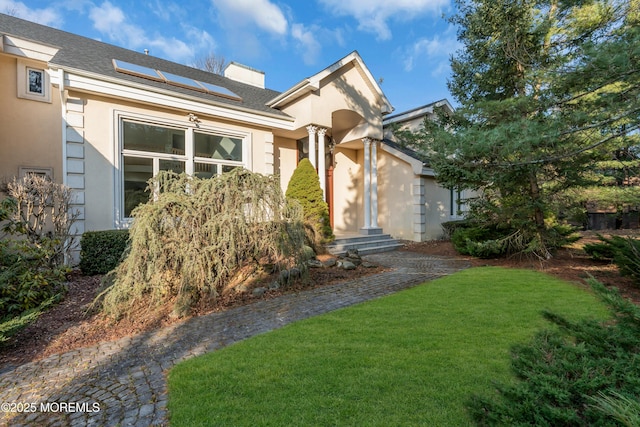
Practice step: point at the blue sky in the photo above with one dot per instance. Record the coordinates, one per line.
(405, 43)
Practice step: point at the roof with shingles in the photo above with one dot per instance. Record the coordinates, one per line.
(92, 56)
(408, 151)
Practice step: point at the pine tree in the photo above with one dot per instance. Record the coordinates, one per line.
(547, 90)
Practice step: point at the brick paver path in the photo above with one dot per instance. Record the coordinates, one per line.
(123, 382)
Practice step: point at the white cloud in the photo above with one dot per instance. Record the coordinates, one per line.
(46, 16)
(266, 15)
(373, 15)
(111, 21)
(307, 42)
(437, 50)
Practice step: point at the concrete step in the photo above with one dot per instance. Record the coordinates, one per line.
(364, 244)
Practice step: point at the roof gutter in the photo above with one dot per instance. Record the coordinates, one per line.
(294, 93)
(284, 120)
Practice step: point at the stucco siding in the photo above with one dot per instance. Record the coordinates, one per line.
(395, 196)
(347, 200)
(31, 130)
(437, 209)
(285, 159)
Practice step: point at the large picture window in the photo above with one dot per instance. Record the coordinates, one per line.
(148, 148)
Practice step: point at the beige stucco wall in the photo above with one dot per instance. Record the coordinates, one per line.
(347, 200)
(31, 130)
(101, 150)
(285, 159)
(437, 203)
(395, 196)
(345, 89)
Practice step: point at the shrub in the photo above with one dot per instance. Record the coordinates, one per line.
(198, 235)
(38, 210)
(26, 277)
(492, 241)
(623, 251)
(102, 251)
(36, 222)
(600, 251)
(450, 227)
(304, 187)
(478, 240)
(564, 372)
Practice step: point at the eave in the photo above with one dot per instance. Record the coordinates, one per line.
(83, 81)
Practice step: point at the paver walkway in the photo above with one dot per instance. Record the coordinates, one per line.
(123, 382)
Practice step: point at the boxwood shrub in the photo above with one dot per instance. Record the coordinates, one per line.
(102, 251)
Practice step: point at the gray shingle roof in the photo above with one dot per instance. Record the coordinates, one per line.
(408, 151)
(93, 56)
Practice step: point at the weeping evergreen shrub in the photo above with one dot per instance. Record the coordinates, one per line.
(304, 186)
(198, 234)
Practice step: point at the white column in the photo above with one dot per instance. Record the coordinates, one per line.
(367, 183)
(322, 173)
(374, 184)
(312, 144)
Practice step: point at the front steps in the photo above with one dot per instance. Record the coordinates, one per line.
(365, 244)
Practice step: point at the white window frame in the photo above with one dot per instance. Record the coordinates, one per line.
(189, 157)
(23, 70)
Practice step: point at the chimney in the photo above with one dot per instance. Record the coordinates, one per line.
(242, 73)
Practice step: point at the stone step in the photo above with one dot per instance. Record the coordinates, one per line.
(364, 244)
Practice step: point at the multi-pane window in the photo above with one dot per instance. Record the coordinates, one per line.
(149, 148)
(215, 154)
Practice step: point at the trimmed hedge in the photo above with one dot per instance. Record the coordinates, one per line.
(102, 251)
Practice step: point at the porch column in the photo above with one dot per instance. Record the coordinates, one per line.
(322, 173)
(367, 183)
(312, 144)
(370, 187)
(374, 184)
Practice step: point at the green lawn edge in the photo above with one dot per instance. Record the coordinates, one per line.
(411, 358)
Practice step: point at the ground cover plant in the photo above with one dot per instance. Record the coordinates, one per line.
(413, 358)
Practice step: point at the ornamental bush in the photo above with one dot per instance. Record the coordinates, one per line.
(582, 373)
(304, 187)
(198, 238)
(36, 220)
(623, 251)
(102, 251)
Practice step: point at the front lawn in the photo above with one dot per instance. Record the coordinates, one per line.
(412, 358)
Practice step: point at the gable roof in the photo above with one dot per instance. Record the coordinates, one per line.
(90, 57)
(312, 83)
(417, 112)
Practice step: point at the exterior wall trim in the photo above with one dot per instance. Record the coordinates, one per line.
(145, 94)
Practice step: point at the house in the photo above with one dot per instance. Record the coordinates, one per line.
(103, 120)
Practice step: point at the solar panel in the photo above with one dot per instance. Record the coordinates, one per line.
(173, 79)
(219, 90)
(136, 70)
(181, 81)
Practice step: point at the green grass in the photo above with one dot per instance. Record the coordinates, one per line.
(412, 358)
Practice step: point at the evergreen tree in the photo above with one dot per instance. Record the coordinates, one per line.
(304, 187)
(547, 88)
